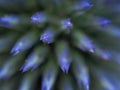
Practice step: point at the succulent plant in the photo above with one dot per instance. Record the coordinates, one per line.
(59, 45)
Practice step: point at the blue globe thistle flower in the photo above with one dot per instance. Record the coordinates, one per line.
(59, 45)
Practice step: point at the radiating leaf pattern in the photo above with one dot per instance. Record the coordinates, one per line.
(59, 45)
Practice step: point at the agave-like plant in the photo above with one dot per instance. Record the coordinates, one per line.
(59, 45)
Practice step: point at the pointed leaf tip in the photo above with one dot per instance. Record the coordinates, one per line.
(83, 42)
(29, 65)
(65, 66)
(66, 24)
(35, 58)
(49, 75)
(25, 42)
(47, 36)
(80, 71)
(15, 51)
(103, 21)
(39, 17)
(9, 20)
(63, 55)
(84, 5)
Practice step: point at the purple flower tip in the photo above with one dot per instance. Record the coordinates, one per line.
(84, 5)
(91, 50)
(65, 66)
(88, 47)
(44, 87)
(17, 48)
(66, 24)
(38, 17)
(8, 20)
(103, 21)
(15, 51)
(47, 36)
(25, 68)
(30, 64)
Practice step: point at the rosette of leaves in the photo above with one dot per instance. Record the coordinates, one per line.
(59, 45)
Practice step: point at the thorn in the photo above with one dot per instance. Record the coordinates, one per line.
(45, 86)
(25, 67)
(66, 24)
(47, 36)
(65, 67)
(15, 51)
(34, 67)
(38, 17)
(103, 21)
